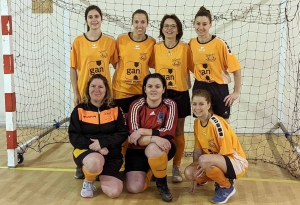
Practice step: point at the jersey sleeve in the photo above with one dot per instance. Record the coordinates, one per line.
(76, 137)
(231, 61)
(114, 56)
(225, 142)
(151, 62)
(119, 136)
(134, 117)
(190, 63)
(196, 137)
(73, 55)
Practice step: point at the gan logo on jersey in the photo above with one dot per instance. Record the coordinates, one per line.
(170, 76)
(96, 67)
(133, 71)
(204, 71)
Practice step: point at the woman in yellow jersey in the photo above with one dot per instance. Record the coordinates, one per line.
(91, 54)
(173, 59)
(218, 155)
(134, 49)
(213, 60)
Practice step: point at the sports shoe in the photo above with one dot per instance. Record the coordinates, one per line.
(176, 174)
(88, 189)
(223, 194)
(217, 187)
(164, 191)
(79, 173)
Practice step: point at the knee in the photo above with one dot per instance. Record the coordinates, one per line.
(113, 193)
(188, 173)
(204, 162)
(134, 188)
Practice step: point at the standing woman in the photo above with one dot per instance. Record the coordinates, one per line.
(151, 121)
(97, 130)
(173, 59)
(213, 60)
(91, 54)
(134, 49)
(218, 155)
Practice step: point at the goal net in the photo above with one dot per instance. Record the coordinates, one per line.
(264, 35)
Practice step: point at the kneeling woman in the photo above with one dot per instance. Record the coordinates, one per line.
(97, 130)
(218, 155)
(152, 123)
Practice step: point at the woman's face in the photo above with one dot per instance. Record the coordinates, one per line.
(170, 29)
(154, 89)
(200, 106)
(139, 23)
(94, 20)
(97, 91)
(202, 26)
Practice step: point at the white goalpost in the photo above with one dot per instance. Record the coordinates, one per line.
(262, 34)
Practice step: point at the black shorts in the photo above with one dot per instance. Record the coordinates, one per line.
(230, 174)
(136, 160)
(125, 103)
(112, 167)
(218, 93)
(183, 102)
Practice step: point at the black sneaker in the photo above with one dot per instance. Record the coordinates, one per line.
(165, 193)
(79, 173)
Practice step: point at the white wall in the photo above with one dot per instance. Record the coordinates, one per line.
(40, 75)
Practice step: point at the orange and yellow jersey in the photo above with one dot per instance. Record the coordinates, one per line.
(92, 57)
(106, 124)
(133, 65)
(174, 64)
(213, 60)
(217, 137)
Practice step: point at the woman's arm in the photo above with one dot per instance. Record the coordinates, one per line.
(76, 137)
(73, 78)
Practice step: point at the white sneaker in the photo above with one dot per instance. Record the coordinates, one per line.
(88, 189)
(176, 174)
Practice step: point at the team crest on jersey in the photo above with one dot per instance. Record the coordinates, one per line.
(160, 117)
(143, 56)
(210, 57)
(103, 54)
(176, 62)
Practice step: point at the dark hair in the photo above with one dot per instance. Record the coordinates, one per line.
(205, 94)
(178, 24)
(140, 11)
(203, 12)
(108, 98)
(88, 9)
(160, 77)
